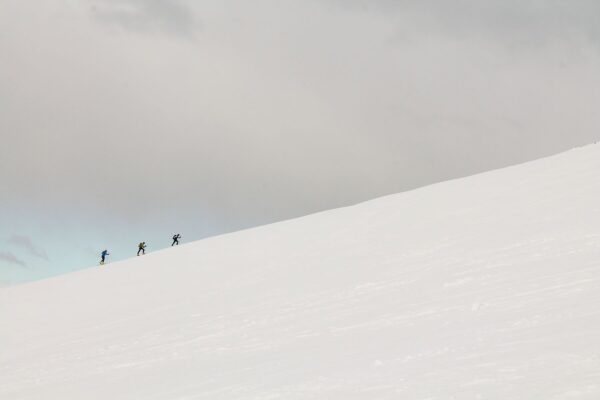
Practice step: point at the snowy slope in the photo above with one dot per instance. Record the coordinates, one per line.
(481, 288)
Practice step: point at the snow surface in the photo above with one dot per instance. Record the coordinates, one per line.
(481, 288)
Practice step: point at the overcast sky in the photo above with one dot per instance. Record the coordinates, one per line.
(131, 120)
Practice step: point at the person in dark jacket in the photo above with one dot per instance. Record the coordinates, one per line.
(142, 248)
(103, 256)
(176, 240)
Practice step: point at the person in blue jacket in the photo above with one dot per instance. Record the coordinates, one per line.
(103, 256)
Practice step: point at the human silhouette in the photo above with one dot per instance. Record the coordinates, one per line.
(142, 248)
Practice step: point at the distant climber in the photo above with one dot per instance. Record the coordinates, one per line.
(176, 240)
(142, 248)
(103, 256)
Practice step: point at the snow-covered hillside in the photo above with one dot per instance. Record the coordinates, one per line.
(481, 288)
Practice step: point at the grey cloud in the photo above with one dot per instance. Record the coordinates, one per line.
(26, 243)
(515, 22)
(172, 16)
(11, 259)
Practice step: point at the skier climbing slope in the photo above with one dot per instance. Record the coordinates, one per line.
(141, 248)
(103, 256)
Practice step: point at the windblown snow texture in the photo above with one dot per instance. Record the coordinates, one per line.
(481, 288)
